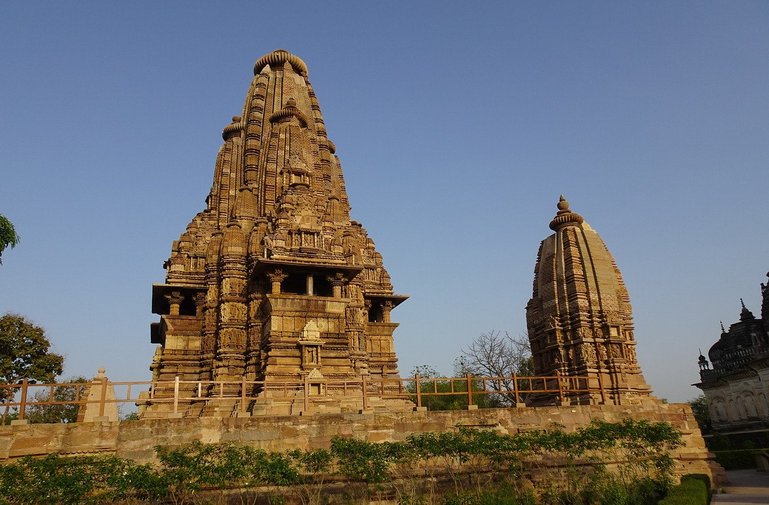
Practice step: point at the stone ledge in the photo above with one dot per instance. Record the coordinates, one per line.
(136, 439)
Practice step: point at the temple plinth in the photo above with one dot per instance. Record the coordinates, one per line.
(273, 281)
(579, 318)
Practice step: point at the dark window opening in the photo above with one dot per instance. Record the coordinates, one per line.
(165, 307)
(375, 313)
(187, 307)
(294, 284)
(322, 286)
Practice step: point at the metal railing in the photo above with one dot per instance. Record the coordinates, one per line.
(178, 393)
(513, 390)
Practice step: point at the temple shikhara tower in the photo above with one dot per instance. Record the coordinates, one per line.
(579, 318)
(273, 281)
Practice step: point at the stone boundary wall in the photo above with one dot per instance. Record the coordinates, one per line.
(136, 439)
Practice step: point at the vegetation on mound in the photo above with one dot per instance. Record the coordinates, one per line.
(603, 463)
(693, 490)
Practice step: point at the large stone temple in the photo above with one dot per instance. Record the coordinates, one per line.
(579, 318)
(273, 281)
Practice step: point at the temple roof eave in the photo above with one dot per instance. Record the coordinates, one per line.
(267, 263)
(396, 299)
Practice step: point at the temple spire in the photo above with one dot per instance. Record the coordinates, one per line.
(579, 318)
(275, 257)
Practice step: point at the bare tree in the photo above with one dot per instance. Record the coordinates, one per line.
(497, 356)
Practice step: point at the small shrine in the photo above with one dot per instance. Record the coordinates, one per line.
(579, 317)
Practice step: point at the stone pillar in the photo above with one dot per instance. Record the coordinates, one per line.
(276, 278)
(100, 401)
(387, 306)
(337, 281)
(175, 299)
(200, 303)
(310, 286)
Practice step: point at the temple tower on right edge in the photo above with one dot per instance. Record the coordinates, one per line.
(579, 318)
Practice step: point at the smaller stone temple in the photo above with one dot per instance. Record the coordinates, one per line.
(735, 378)
(579, 318)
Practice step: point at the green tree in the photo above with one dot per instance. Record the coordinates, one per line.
(64, 410)
(701, 412)
(24, 354)
(445, 393)
(8, 236)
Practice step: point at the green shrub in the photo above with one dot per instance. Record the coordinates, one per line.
(190, 468)
(691, 491)
(504, 493)
(367, 461)
(490, 462)
(698, 476)
(737, 459)
(75, 480)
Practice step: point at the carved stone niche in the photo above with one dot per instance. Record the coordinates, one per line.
(316, 383)
(309, 346)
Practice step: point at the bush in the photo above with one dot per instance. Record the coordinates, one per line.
(698, 476)
(504, 493)
(84, 479)
(484, 466)
(693, 490)
(367, 461)
(738, 459)
(198, 466)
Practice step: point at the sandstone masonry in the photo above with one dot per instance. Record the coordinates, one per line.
(273, 281)
(136, 439)
(579, 318)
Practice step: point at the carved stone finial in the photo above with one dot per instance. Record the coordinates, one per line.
(564, 216)
(287, 112)
(703, 362)
(234, 128)
(278, 57)
(745, 313)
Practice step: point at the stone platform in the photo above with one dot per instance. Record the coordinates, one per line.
(136, 439)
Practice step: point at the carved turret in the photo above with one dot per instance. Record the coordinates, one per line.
(579, 318)
(275, 253)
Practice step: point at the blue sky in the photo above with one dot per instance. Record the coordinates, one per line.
(458, 126)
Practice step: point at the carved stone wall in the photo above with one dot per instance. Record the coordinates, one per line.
(741, 402)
